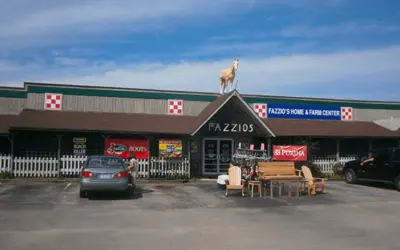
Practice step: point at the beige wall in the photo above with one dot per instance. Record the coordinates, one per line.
(374, 114)
(117, 105)
(11, 106)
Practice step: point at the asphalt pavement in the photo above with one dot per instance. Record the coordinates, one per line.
(191, 216)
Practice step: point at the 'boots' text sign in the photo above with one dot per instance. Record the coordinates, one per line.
(231, 127)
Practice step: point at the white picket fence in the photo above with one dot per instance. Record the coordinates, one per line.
(47, 167)
(326, 164)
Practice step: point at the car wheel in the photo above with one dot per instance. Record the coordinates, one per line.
(82, 194)
(397, 183)
(349, 176)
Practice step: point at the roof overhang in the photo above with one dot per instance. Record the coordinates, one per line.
(247, 108)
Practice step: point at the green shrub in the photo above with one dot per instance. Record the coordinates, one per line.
(5, 175)
(338, 169)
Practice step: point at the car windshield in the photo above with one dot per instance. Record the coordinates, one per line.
(104, 162)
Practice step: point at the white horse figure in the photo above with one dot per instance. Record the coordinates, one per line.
(228, 75)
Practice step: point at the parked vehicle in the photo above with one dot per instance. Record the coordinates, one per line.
(383, 166)
(104, 173)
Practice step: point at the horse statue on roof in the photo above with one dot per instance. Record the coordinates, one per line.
(228, 75)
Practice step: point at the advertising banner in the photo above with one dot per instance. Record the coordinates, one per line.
(289, 153)
(123, 148)
(304, 112)
(79, 145)
(170, 148)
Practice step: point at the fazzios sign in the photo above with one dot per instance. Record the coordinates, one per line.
(231, 127)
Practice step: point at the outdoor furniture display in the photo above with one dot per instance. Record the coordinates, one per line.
(235, 179)
(278, 168)
(277, 179)
(278, 172)
(313, 182)
(253, 184)
(299, 187)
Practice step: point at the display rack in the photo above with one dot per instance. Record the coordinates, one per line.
(249, 157)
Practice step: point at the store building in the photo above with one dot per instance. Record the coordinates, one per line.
(48, 119)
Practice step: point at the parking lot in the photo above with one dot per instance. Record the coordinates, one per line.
(196, 216)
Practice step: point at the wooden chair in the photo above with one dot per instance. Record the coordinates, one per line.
(312, 182)
(235, 179)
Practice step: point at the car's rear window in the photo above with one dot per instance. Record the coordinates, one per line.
(99, 162)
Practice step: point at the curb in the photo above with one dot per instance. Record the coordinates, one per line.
(26, 181)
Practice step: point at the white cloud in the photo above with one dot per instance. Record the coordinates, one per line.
(348, 70)
(345, 28)
(44, 22)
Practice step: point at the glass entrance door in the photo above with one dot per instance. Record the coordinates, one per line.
(216, 154)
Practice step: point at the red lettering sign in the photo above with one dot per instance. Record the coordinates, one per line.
(289, 153)
(123, 148)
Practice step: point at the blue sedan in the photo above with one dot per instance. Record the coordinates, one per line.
(104, 173)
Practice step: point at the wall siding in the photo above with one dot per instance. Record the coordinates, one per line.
(374, 114)
(116, 105)
(149, 106)
(11, 106)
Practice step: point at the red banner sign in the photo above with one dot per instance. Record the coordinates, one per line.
(289, 153)
(123, 148)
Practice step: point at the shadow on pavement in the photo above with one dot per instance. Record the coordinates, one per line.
(132, 195)
(381, 185)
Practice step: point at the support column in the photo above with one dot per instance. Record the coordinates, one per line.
(269, 146)
(59, 139)
(337, 150)
(370, 146)
(11, 139)
(105, 137)
(189, 142)
(149, 138)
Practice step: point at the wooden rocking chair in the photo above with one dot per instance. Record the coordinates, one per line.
(235, 179)
(313, 182)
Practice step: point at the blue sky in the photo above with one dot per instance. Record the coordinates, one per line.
(332, 48)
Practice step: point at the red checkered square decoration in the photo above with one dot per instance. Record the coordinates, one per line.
(260, 109)
(52, 101)
(346, 113)
(175, 107)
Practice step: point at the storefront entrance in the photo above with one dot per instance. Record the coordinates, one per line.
(217, 152)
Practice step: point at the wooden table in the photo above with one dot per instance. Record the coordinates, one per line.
(281, 179)
(298, 184)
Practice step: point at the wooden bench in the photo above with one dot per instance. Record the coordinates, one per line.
(279, 172)
(278, 168)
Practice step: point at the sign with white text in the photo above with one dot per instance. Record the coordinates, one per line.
(230, 127)
(304, 112)
(289, 153)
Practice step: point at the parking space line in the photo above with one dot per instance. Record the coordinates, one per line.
(5, 188)
(67, 186)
